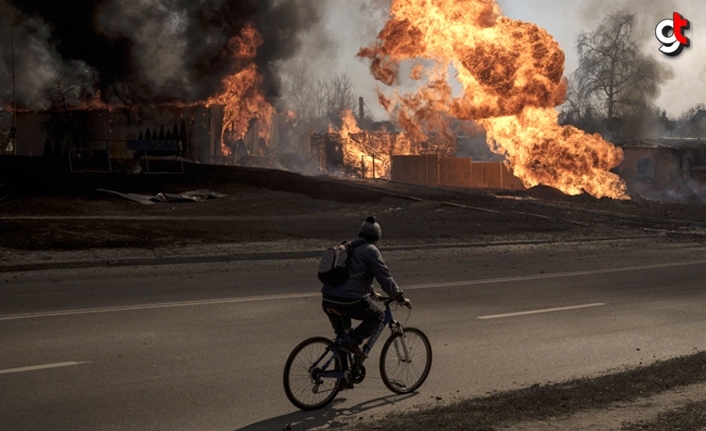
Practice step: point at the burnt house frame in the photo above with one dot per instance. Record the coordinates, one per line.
(665, 169)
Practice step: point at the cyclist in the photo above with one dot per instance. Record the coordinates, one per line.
(353, 298)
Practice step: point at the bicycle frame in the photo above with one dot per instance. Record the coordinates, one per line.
(388, 320)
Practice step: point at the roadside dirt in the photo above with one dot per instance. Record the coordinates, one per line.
(619, 416)
(46, 209)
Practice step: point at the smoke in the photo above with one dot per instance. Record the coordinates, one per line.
(647, 13)
(161, 50)
(690, 192)
(146, 50)
(567, 19)
(682, 87)
(331, 45)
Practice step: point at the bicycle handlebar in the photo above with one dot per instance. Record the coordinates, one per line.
(387, 301)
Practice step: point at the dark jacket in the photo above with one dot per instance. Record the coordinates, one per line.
(365, 265)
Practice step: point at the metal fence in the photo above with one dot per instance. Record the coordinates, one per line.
(127, 156)
(429, 169)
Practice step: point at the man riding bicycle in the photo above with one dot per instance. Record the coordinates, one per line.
(353, 298)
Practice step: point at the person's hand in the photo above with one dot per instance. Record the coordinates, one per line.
(406, 302)
(376, 296)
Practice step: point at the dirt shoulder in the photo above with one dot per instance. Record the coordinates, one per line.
(644, 413)
(664, 396)
(50, 210)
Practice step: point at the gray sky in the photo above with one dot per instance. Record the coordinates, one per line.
(350, 25)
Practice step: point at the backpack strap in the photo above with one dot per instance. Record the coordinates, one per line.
(355, 243)
(352, 245)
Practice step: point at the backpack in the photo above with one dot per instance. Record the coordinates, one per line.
(333, 266)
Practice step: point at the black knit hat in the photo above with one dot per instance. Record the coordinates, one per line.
(370, 230)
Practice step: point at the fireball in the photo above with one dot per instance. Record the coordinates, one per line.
(510, 75)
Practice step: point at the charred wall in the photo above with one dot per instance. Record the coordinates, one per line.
(669, 171)
(196, 127)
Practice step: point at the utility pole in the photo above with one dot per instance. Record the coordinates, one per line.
(14, 91)
(14, 87)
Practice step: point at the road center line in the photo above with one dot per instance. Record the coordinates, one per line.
(42, 367)
(544, 310)
(95, 310)
(553, 275)
(315, 293)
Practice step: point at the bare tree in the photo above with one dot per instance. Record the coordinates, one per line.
(614, 77)
(689, 113)
(321, 92)
(579, 111)
(319, 101)
(691, 121)
(341, 96)
(299, 92)
(62, 120)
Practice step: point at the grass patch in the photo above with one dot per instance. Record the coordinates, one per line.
(541, 402)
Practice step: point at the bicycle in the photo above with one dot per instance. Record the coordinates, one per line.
(317, 369)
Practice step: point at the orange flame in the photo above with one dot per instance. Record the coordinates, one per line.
(511, 76)
(362, 151)
(290, 115)
(96, 103)
(242, 94)
(540, 151)
(350, 125)
(369, 153)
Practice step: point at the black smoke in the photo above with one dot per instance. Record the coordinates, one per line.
(167, 50)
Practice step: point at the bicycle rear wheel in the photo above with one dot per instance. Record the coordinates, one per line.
(405, 361)
(307, 389)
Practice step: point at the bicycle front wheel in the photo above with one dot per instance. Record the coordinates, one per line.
(405, 361)
(305, 388)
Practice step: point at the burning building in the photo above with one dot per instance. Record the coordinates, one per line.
(212, 67)
(196, 130)
(670, 168)
(352, 151)
(666, 169)
(222, 93)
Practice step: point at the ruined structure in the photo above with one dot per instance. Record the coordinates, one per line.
(190, 133)
(665, 169)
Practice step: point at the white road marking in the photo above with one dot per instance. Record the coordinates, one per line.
(554, 275)
(74, 312)
(42, 367)
(432, 285)
(545, 310)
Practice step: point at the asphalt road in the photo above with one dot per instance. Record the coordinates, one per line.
(202, 347)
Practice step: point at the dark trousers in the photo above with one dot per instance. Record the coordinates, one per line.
(340, 315)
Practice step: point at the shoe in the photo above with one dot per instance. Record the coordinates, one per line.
(345, 385)
(353, 349)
